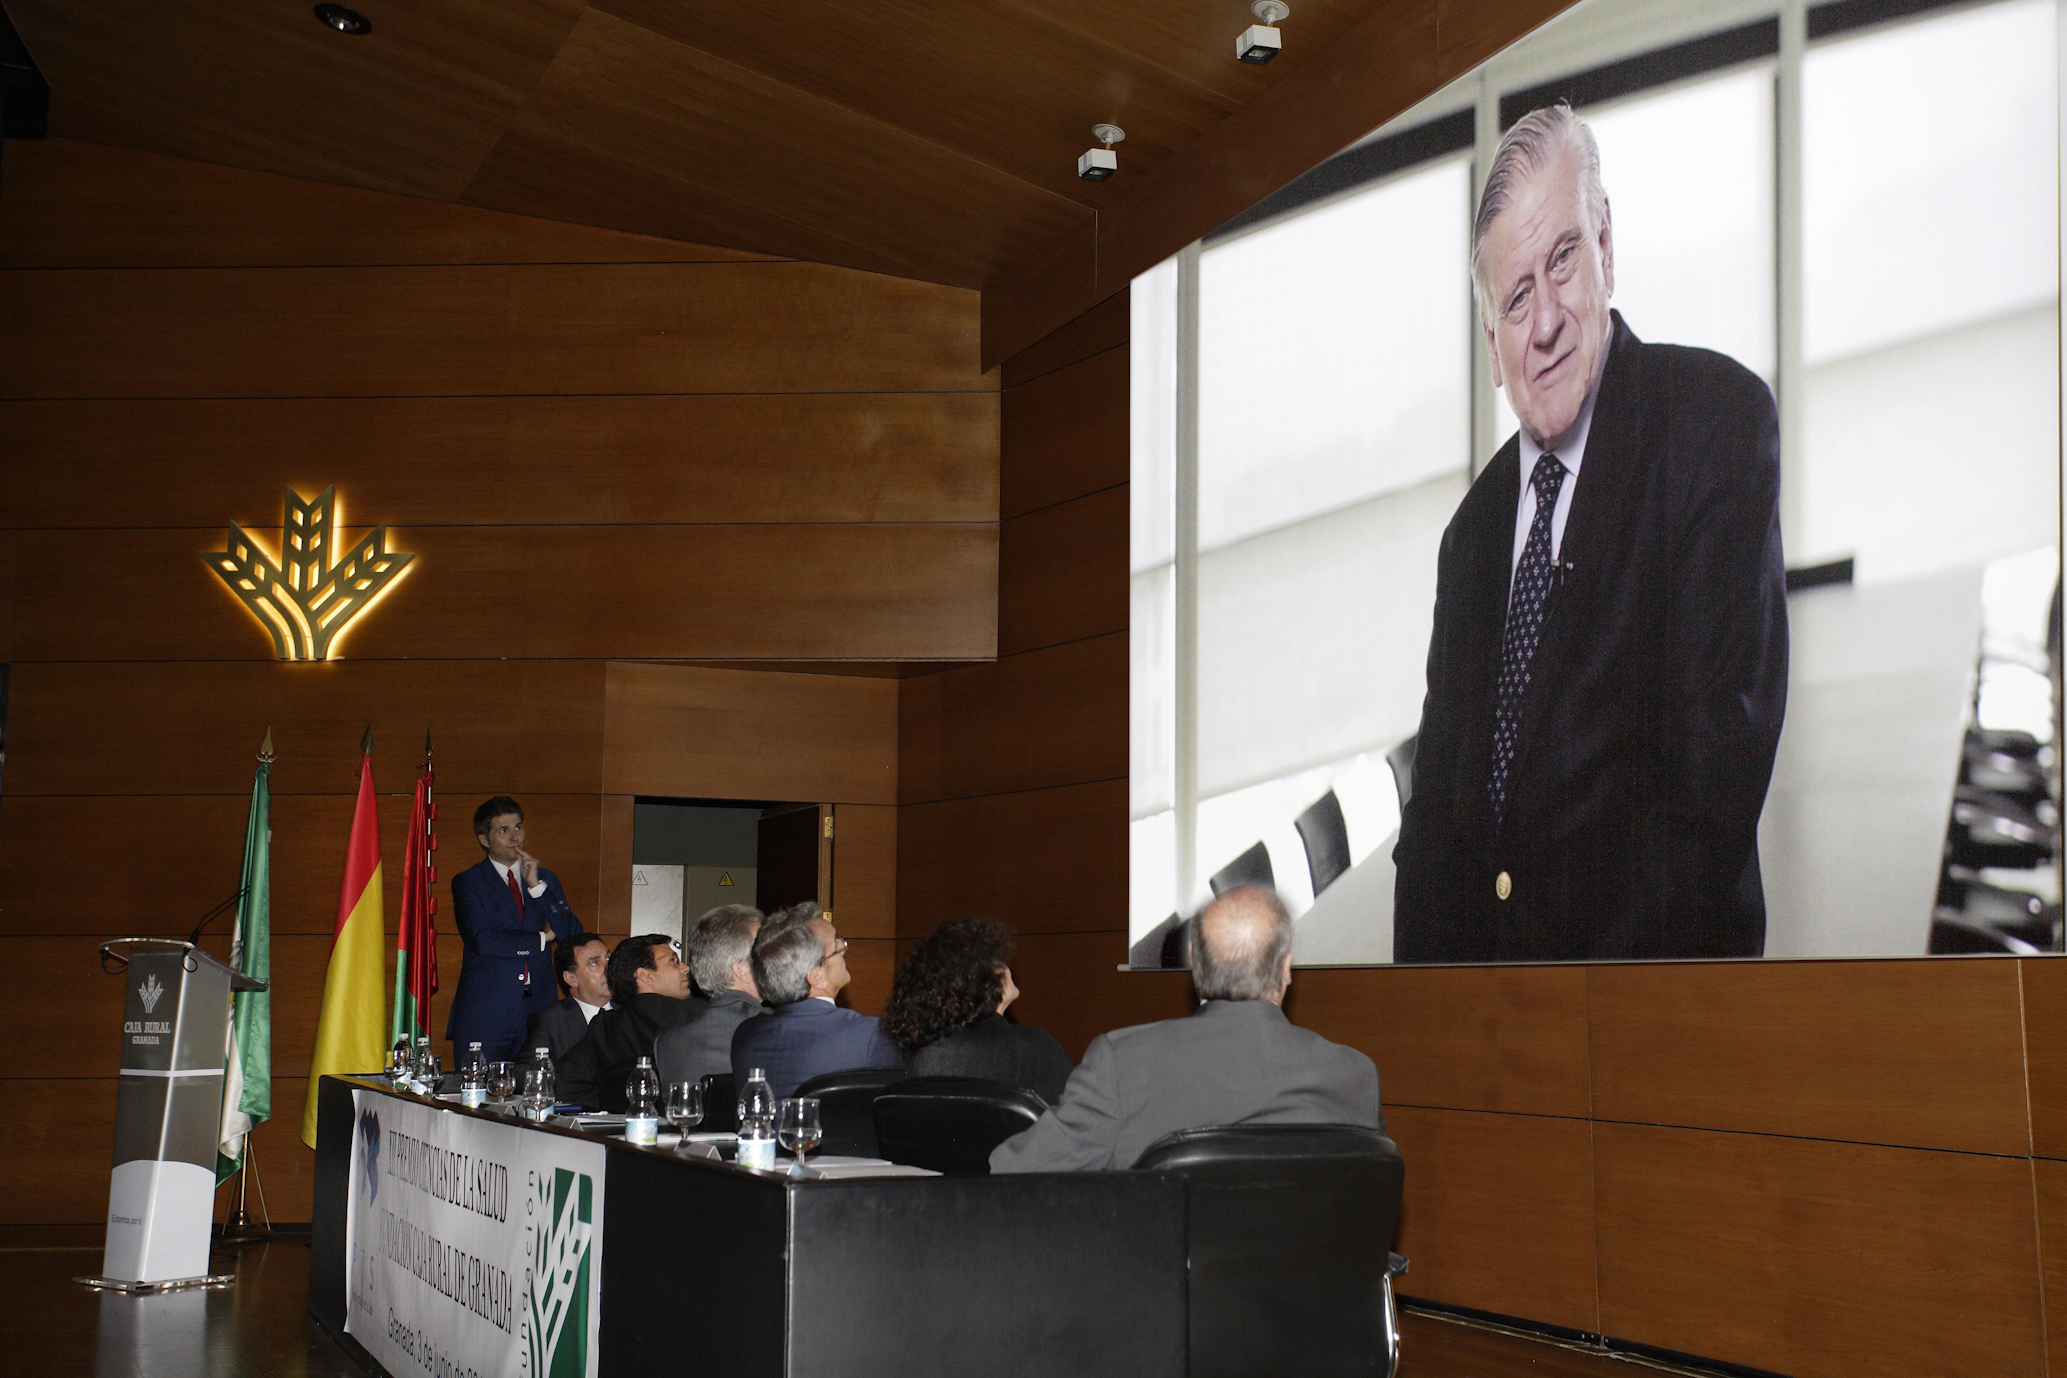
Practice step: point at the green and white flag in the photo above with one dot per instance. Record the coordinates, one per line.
(247, 1096)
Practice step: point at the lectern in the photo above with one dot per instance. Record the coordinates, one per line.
(168, 1113)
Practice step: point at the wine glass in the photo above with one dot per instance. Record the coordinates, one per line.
(799, 1131)
(685, 1105)
(502, 1080)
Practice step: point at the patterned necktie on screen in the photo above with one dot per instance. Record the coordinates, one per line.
(1524, 627)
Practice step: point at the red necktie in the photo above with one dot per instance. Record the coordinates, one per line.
(518, 896)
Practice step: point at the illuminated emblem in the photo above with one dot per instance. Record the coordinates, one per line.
(150, 992)
(309, 598)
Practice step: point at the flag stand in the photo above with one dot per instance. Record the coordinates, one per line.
(237, 1226)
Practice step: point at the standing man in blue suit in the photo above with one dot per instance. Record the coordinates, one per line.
(801, 967)
(509, 910)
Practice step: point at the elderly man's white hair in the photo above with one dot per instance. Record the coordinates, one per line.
(1534, 142)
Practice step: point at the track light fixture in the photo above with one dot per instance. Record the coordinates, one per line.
(1097, 164)
(1259, 43)
(344, 20)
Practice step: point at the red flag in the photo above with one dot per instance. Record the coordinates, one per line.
(416, 943)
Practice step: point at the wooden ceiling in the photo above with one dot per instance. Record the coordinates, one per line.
(933, 139)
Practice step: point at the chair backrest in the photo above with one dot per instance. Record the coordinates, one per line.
(950, 1124)
(847, 1107)
(720, 1103)
(1291, 1227)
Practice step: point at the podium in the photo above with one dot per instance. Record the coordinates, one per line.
(168, 1113)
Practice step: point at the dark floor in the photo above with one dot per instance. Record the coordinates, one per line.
(261, 1328)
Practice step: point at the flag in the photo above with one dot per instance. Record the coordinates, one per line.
(247, 1092)
(349, 1029)
(416, 944)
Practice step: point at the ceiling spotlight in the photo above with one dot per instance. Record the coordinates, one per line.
(1259, 43)
(1097, 164)
(344, 20)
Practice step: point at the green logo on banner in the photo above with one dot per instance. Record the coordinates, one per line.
(560, 1269)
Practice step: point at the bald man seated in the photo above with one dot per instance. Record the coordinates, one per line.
(1236, 1060)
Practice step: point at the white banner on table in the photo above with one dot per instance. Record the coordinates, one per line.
(476, 1247)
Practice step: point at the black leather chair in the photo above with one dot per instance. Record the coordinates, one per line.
(847, 1108)
(950, 1124)
(720, 1104)
(1290, 1239)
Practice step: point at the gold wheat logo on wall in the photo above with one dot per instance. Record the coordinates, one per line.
(306, 599)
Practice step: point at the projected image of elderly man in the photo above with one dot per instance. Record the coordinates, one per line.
(1235, 1060)
(1607, 671)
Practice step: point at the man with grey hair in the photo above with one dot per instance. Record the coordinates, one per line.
(1235, 1060)
(721, 958)
(800, 967)
(1607, 669)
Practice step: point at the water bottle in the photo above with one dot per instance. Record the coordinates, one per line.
(401, 1065)
(539, 1087)
(642, 1104)
(757, 1123)
(473, 1077)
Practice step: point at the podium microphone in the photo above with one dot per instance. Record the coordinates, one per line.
(212, 915)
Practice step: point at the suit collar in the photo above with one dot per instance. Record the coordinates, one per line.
(810, 1007)
(1256, 1011)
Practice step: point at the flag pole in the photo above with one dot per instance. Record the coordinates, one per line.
(237, 1227)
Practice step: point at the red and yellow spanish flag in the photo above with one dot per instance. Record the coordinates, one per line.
(351, 1032)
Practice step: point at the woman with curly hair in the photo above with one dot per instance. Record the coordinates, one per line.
(946, 1013)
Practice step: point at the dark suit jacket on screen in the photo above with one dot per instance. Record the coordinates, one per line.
(1653, 709)
(703, 1046)
(492, 1001)
(794, 1043)
(998, 1050)
(594, 1070)
(1231, 1062)
(557, 1027)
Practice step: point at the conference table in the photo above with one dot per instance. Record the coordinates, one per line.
(456, 1243)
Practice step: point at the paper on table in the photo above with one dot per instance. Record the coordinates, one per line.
(835, 1166)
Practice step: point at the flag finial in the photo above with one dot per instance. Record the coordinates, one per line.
(265, 753)
(366, 742)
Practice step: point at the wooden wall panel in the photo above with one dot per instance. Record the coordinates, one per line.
(505, 461)
(1071, 985)
(866, 590)
(615, 847)
(1467, 1038)
(535, 328)
(82, 205)
(865, 870)
(1103, 327)
(286, 1167)
(1062, 572)
(689, 732)
(2049, 1183)
(1049, 717)
(192, 727)
(871, 965)
(1922, 1053)
(1498, 1213)
(1041, 861)
(7, 598)
(2045, 1041)
(59, 1134)
(1818, 1259)
(1064, 434)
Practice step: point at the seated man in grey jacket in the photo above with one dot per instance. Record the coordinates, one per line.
(721, 958)
(1236, 1060)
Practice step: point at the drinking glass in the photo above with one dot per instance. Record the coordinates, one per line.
(538, 1091)
(502, 1080)
(799, 1131)
(685, 1105)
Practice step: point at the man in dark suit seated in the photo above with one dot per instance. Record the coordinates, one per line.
(1607, 667)
(649, 994)
(800, 968)
(721, 949)
(579, 965)
(508, 910)
(1235, 1060)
